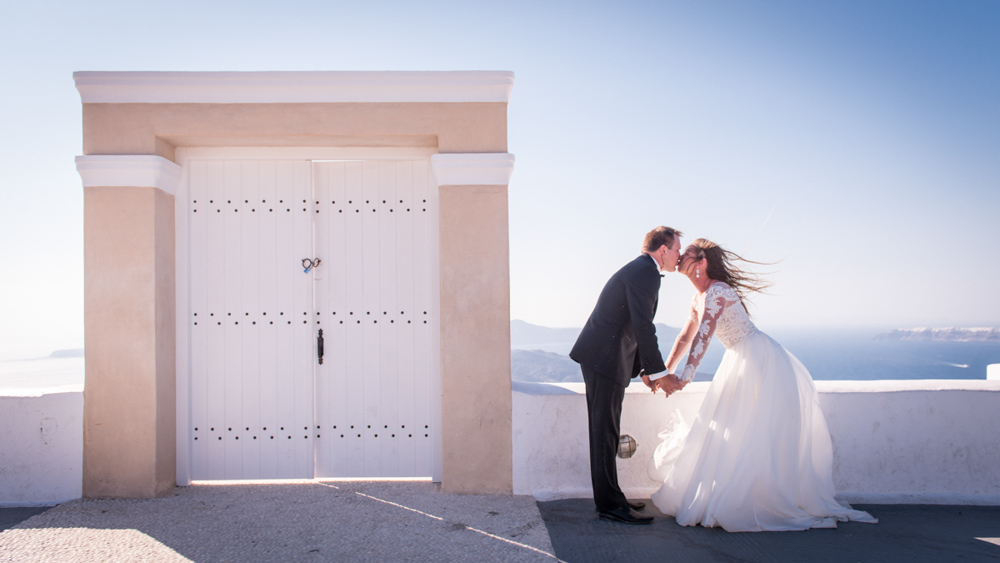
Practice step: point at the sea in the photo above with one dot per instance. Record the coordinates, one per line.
(845, 354)
(855, 354)
(829, 354)
(50, 374)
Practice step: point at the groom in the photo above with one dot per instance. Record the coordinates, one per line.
(618, 343)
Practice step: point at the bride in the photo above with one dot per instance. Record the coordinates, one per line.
(758, 456)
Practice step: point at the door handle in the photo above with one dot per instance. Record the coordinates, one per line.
(308, 264)
(319, 346)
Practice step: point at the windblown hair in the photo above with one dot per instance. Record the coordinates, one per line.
(658, 237)
(720, 266)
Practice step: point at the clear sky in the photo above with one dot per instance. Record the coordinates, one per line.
(856, 141)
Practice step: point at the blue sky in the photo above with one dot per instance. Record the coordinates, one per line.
(856, 141)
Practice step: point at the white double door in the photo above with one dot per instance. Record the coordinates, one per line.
(262, 403)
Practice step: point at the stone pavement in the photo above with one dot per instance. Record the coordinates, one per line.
(330, 521)
(414, 521)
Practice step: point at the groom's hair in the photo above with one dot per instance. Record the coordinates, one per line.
(658, 237)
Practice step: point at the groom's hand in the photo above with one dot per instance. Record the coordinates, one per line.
(647, 382)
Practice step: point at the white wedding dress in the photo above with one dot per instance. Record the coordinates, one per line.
(758, 456)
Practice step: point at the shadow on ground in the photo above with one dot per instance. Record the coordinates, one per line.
(913, 533)
(10, 517)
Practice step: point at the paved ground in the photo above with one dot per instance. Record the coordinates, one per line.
(912, 533)
(366, 521)
(356, 521)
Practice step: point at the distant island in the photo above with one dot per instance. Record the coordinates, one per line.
(540, 354)
(943, 334)
(74, 353)
(542, 366)
(527, 336)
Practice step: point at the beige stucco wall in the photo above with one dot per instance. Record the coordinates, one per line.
(130, 347)
(475, 339)
(129, 420)
(159, 128)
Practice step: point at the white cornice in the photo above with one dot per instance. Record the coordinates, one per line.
(129, 170)
(476, 169)
(293, 87)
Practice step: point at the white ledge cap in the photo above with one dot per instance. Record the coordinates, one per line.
(475, 169)
(97, 87)
(129, 171)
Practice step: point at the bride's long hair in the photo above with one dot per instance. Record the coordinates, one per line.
(720, 266)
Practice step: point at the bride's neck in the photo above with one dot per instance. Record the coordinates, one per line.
(702, 283)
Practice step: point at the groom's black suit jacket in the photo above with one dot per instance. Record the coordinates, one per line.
(619, 339)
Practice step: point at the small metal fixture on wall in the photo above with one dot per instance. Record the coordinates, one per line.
(626, 446)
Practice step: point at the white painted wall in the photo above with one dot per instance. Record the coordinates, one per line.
(912, 441)
(894, 441)
(41, 447)
(993, 372)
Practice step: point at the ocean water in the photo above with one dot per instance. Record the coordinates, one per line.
(848, 354)
(51, 375)
(828, 354)
(854, 354)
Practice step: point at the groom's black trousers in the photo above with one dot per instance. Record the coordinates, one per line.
(604, 413)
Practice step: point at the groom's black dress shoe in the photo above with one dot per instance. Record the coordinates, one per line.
(635, 505)
(624, 515)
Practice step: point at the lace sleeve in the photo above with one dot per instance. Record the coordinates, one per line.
(715, 305)
(683, 341)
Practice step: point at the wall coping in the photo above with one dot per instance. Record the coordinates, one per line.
(103, 87)
(35, 392)
(475, 169)
(822, 386)
(478, 169)
(129, 171)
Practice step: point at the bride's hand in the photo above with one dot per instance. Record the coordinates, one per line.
(670, 384)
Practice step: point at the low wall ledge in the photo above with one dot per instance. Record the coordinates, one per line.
(33, 392)
(829, 387)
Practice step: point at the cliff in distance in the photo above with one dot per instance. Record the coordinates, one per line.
(943, 334)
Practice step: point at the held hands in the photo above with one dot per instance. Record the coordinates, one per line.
(669, 384)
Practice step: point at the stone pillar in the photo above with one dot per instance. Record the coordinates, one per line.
(475, 322)
(129, 420)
